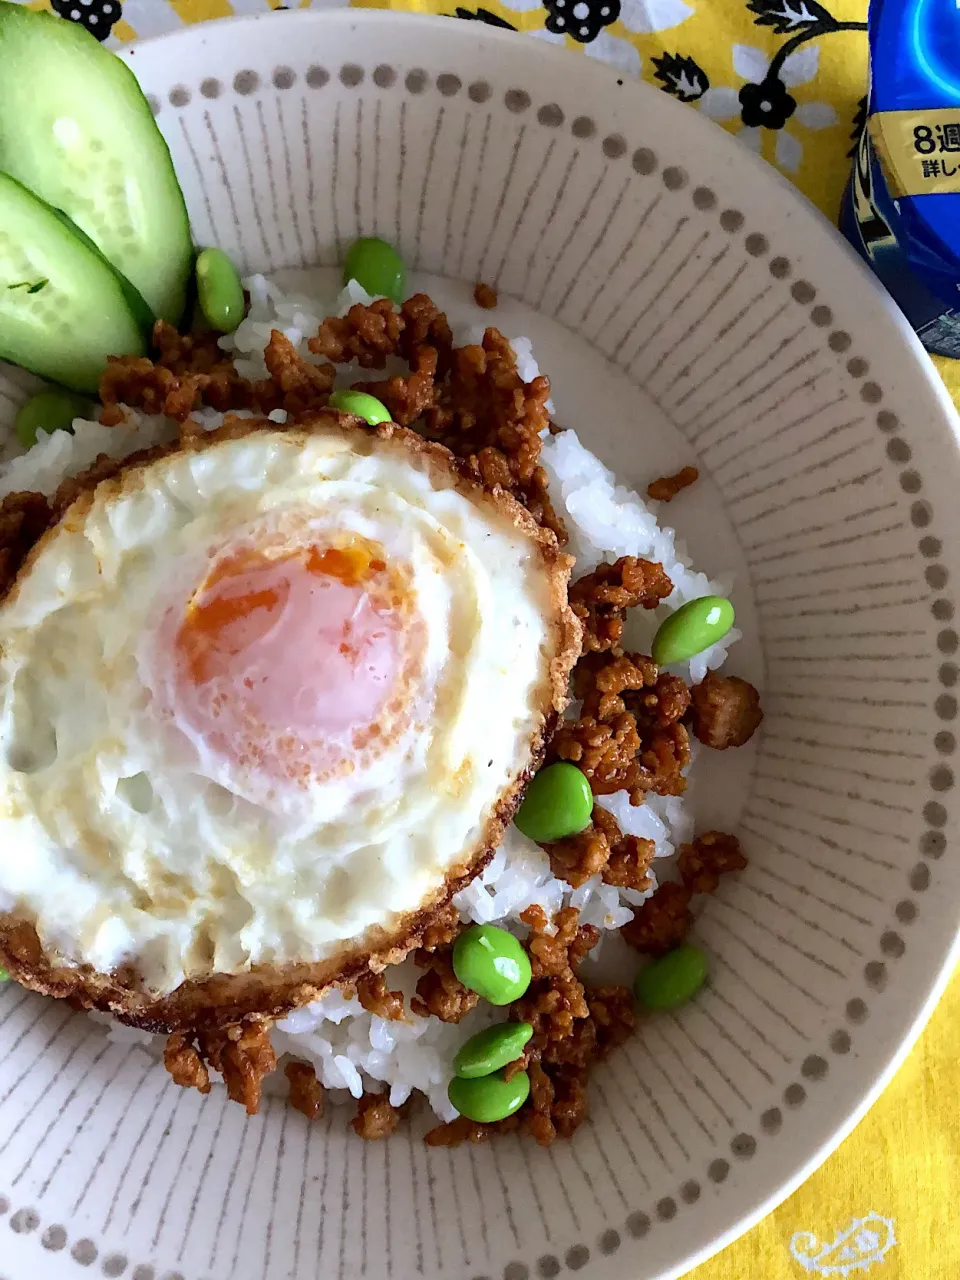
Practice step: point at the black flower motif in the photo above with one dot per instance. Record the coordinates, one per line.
(859, 124)
(680, 76)
(766, 105)
(582, 19)
(98, 16)
(789, 16)
(484, 15)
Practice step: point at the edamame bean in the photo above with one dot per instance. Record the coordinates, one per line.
(377, 267)
(489, 1098)
(491, 962)
(219, 290)
(50, 410)
(694, 627)
(4, 976)
(558, 803)
(369, 408)
(673, 979)
(492, 1049)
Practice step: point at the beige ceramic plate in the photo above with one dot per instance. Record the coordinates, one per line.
(687, 303)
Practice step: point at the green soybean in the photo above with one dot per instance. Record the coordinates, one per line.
(491, 962)
(558, 803)
(219, 290)
(694, 627)
(489, 1098)
(492, 1049)
(4, 976)
(377, 267)
(369, 408)
(673, 979)
(50, 410)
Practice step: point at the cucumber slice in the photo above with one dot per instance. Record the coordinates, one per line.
(62, 307)
(76, 130)
(135, 299)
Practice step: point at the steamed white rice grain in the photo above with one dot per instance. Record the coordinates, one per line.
(351, 1049)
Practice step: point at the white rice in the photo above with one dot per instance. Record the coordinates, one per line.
(353, 1050)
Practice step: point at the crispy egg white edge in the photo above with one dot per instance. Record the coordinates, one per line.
(85, 856)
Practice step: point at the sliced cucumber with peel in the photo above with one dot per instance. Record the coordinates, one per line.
(135, 299)
(63, 310)
(76, 130)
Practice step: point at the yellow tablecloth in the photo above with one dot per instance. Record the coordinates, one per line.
(787, 76)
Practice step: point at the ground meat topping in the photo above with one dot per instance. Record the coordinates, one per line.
(577, 858)
(457, 1131)
(306, 1091)
(185, 1064)
(540, 1106)
(24, 519)
(366, 334)
(600, 599)
(614, 758)
(439, 991)
(606, 681)
(375, 998)
(375, 1117)
(243, 1055)
(666, 703)
(491, 419)
(407, 398)
(602, 848)
(471, 399)
(614, 1016)
(606, 753)
(667, 487)
(662, 922)
(304, 386)
(573, 1027)
(187, 371)
(726, 711)
(630, 856)
(185, 353)
(484, 296)
(442, 929)
(711, 855)
(662, 761)
(558, 948)
(425, 325)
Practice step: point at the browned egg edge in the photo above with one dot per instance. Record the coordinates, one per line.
(270, 991)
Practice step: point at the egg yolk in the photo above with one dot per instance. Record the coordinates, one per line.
(286, 661)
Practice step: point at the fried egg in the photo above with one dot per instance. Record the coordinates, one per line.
(262, 701)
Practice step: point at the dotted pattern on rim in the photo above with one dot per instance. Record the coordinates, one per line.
(645, 164)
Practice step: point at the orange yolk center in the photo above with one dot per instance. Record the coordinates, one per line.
(280, 657)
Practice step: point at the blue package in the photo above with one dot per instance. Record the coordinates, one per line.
(901, 209)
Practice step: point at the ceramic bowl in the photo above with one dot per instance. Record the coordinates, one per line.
(688, 304)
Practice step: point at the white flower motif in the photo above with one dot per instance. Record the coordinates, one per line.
(615, 52)
(643, 17)
(551, 37)
(752, 65)
(864, 1243)
(150, 19)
